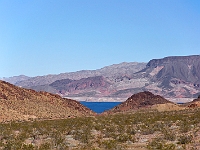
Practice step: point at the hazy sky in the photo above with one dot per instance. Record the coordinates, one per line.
(39, 37)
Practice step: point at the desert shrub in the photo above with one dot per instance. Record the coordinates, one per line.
(58, 140)
(158, 126)
(185, 126)
(27, 147)
(111, 145)
(130, 131)
(117, 129)
(85, 147)
(159, 144)
(124, 138)
(146, 129)
(168, 135)
(169, 147)
(45, 146)
(155, 144)
(13, 145)
(84, 137)
(185, 139)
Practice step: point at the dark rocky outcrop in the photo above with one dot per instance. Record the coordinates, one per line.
(84, 83)
(194, 104)
(140, 100)
(85, 86)
(184, 68)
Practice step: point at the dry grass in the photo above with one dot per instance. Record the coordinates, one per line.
(139, 131)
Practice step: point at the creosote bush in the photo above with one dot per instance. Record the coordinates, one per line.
(119, 131)
(185, 139)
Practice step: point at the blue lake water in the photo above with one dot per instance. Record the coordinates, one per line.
(99, 107)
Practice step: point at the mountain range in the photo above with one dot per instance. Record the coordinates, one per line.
(173, 77)
(21, 104)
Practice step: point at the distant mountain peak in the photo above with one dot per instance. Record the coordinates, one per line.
(16, 79)
(186, 68)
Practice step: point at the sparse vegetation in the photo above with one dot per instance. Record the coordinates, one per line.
(151, 129)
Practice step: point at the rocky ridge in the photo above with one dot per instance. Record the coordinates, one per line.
(16, 79)
(176, 78)
(23, 104)
(111, 72)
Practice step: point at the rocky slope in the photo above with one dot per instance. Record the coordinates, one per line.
(173, 76)
(85, 84)
(92, 86)
(193, 104)
(140, 101)
(16, 79)
(176, 78)
(22, 104)
(147, 100)
(112, 72)
(185, 68)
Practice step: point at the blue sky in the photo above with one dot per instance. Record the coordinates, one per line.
(43, 37)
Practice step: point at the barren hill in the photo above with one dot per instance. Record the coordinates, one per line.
(22, 104)
(140, 100)
(194, 104)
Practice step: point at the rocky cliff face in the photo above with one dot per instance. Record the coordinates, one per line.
(170, 77)
(112, 72)
(91, 86)
(185, 68)
(177, 76)
(84, 83)
(21, 104)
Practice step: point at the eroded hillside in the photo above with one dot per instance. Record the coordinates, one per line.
(176, 78)
(22, 104)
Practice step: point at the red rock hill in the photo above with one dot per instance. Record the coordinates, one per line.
(139, 100)
(18, 104)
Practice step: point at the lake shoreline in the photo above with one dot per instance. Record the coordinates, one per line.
(99, 107)
(117, 99)
(98, 99)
